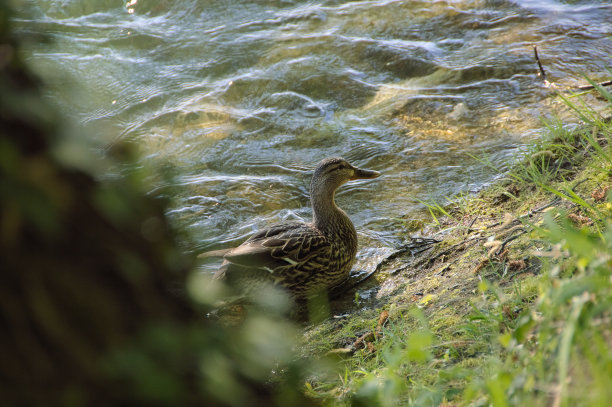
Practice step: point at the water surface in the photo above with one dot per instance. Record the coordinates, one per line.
(236, 101)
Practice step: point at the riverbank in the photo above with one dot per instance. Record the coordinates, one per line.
(510, 307)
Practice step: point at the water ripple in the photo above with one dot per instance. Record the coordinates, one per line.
(237, 101)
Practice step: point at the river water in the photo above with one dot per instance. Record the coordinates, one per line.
(234, 102)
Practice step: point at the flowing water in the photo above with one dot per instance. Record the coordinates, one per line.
(236, 101)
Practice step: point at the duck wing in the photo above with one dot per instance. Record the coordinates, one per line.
(279, 251)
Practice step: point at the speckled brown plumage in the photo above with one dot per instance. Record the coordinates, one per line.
(304, 258)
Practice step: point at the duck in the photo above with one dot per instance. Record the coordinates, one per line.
(305, 259)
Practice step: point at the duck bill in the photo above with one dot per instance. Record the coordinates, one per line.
(364, 174)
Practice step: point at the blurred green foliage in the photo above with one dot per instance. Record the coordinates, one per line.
(90, 312)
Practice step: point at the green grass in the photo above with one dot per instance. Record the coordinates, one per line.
(493, 330)
(434, 209)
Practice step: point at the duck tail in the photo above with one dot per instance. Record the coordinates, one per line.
(214, 253)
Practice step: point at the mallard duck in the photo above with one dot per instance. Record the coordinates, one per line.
(303, 258)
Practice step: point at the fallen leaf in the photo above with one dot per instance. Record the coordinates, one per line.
(517, 264)
(599, 195)
(579, 220)
(480, 266)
